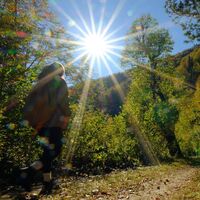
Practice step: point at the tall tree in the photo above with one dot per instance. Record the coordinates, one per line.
(146, 44)
(28, 40)
(187, 14)
(30, 37)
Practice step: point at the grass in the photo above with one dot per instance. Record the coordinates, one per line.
(109, 186)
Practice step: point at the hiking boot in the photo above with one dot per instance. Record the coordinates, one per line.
(26, 178)
(47, 188)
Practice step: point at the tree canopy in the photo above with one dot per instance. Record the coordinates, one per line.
(187, 14)
(146, 42)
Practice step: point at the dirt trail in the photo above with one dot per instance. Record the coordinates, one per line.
(145, 183)
(161, 188)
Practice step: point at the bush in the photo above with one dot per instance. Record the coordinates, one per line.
(103, 143)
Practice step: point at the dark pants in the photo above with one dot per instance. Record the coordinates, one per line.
(51, 142)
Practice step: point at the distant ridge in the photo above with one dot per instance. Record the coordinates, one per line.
(107, 97)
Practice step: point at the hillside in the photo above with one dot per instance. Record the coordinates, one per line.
(107, 96)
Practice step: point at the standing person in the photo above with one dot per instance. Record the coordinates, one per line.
(47, 111)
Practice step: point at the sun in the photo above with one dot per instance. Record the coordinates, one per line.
(95, 45)
(94, 40)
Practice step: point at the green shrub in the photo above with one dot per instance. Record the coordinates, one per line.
(103, 143)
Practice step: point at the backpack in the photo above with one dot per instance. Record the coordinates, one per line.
(37, 109)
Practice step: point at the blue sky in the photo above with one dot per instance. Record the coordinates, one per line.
(128, 11)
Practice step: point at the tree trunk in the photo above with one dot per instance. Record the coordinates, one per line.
(172, 143)
(153, 80)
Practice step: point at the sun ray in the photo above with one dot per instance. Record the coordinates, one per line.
(123, 38)
(50, 37)
(114, 16)
(87, 57)
(101, 20)
(98, 66)
(75, 35)
(69, 18)
(60, 51)
(115, 81)
(109, 42)
(119, 47)
(109, 35)
(81, 17)
(78, 58)
(91, 16)
(132, 35)
(102, 97)
(115, 53)
(161, 74)
(77, 121)
(149, 30)
(75, 50)
(145, 143)
(67, 41)
(114, 63)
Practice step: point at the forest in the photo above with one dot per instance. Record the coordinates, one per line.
(146, 115)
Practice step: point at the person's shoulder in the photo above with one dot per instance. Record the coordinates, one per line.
(62, 83)
(63, 80)
(58, 82)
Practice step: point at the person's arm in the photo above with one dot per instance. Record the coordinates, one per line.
(63, 102)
